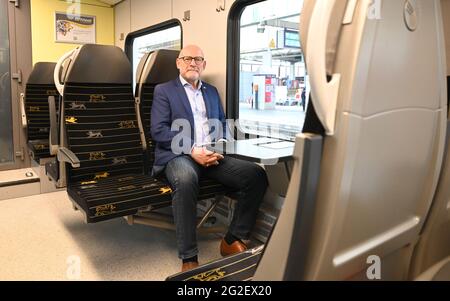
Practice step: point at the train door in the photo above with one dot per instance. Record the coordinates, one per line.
(15, 66)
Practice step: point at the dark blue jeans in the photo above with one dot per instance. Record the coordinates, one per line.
(183, 174)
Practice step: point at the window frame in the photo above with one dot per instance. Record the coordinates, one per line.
(233, 62)
(129, 41)
(233, 55)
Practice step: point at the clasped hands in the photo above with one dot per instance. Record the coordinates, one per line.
(204, 157)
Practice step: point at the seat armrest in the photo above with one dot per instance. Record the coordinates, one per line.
(66, 155)
(53, 138)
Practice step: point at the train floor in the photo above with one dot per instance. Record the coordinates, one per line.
(43, 238)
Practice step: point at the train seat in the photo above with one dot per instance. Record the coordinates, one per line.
(384, 147)
(105, 177)
(238, 267)
(35, 109)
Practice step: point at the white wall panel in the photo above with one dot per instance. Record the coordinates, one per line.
(208, 29)
(145, 13)
(122, 22)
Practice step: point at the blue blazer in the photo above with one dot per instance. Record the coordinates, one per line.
(170, 103)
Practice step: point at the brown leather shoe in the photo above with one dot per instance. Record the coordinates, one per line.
(234, 248)
(189, 266)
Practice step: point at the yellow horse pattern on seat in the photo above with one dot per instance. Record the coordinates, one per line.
(165, 190)
(101, 175)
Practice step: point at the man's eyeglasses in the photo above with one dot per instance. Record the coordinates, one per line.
(188, 59)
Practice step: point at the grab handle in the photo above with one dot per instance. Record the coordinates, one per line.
(324, 93)
(58, 84)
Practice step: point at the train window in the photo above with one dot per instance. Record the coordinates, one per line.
(271, 85)
(166, 35)
(6, 131)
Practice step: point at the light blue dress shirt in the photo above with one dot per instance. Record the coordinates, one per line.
(198, 107)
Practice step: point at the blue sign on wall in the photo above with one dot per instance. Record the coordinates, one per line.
(291, 39)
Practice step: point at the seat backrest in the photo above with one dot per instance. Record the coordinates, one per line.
(154, 68)
(101, 125)
(383, 155)
(312, 123)
(434, 243)
(39, 87)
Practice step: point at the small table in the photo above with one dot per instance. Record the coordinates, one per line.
(267, 151)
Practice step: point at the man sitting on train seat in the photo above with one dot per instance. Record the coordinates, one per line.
(198, 103)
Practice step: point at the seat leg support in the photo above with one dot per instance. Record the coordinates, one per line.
(209, 211)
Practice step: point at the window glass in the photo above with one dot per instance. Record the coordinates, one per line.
(168, 38)
(6, 133)
(273, 83)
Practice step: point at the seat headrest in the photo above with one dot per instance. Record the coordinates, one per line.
(158, 67)
(100, 64)
(42, 74)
